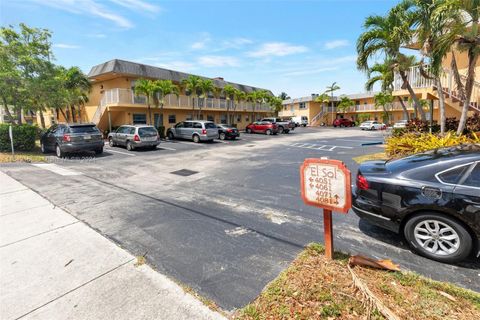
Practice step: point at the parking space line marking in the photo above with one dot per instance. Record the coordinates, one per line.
(358, 140)
(324, 147)
(121, 152)
(57, 169)
(166, 148)
(222, 141)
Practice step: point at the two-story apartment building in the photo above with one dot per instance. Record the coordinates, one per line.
(113, 102)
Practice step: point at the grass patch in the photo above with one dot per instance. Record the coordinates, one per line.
(314, 288)
(35, 155)
(373, 156)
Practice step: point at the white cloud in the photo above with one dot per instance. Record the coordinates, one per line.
(88, 7)
(236, 43)
(218, 61)
(305, 72)
(178, 65)
(65, 46)
(279, 49)
(202, 43)
(137, 5)
(97, 35)
(336, 44)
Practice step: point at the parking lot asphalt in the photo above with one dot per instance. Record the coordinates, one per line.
(233, 219)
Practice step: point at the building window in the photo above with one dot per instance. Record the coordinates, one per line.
(158, 120)
(302, 105)
(223, 118)
(200, 117)
(210, 118)
(139, 118)
(247, 119)
(189, 117)
(172, 118)
(239, 118)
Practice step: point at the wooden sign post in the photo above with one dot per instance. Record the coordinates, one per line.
(326, 184)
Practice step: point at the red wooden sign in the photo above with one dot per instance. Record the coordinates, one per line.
(326, 184)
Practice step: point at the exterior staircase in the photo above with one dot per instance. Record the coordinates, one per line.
(318, 117)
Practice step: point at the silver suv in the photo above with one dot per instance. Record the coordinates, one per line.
(134, 136)
(195, 130)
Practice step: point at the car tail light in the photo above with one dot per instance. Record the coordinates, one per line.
(204, 131)
(136, 138)
(362, 182)
(66, 138)
(229, 130)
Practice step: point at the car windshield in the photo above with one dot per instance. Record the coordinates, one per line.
(210, 125)
(147, 131)
(83, 129)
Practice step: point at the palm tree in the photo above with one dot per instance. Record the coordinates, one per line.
(385, 35)
(323, 99)
(162, 89)
(275, 103)
(383, 72)
(331, 89)
(206, 87)
(258, 97)
(240, 96)
(283, 96)
(430, 24)
(229, 92)
(146, 88)
(345, 103)
(462, 33)
(78, 87)
(384, 99)
(192, 87)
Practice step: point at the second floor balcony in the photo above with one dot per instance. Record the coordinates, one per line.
(126, 98)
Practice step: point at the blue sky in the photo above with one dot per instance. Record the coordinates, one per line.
(298, 47)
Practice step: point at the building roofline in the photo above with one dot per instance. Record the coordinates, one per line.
(312, 97)
(124, 67)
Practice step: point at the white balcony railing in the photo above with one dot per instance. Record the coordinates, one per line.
(449, 86)
(119, 96)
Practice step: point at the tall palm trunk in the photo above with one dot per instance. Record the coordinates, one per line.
(441, 103)
(72, 110)
(405, 111)
(406, 84)
(228, 111)
(472, 61)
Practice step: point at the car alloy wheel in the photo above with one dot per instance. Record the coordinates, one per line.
(436, 237)
(222, 136)
(111, 143)
(130, 146)
(439, 237)
(372, 128)
(249, 130)
(42, 147)
(170, 135)
(196, 139)
(59, 152)
(280, 129)
(268, 132)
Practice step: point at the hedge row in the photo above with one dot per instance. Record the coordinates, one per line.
(23, 137)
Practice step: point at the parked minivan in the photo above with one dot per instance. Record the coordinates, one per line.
(195, 130)
(72, 137)
(134, 136)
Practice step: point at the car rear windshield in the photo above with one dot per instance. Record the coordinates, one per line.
(84, 129)
(147, 131)
(209, 125)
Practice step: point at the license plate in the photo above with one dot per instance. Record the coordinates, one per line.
(150, 138)
(87, 137)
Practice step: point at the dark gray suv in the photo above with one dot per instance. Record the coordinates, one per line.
(70, 138)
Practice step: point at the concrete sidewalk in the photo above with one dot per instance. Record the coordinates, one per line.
(53, 266)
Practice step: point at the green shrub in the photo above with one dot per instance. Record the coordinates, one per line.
(161, 131)
(23, 137)
(411, 143)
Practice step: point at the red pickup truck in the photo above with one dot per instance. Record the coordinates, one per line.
(265, 127)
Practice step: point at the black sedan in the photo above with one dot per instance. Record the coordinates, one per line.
(432, 198)
(227, 132)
